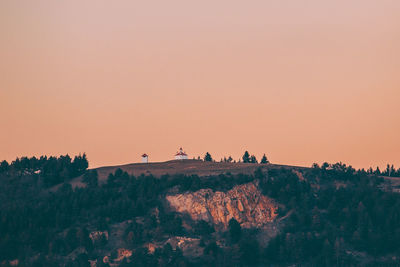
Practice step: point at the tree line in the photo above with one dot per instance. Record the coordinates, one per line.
(246, 158)
(52, 170)
(390, 170)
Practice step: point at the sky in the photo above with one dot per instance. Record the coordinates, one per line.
(302, 81)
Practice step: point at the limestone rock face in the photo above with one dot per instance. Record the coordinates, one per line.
(244, 202)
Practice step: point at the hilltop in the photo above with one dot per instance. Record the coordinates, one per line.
(202, 169)
(187, 167)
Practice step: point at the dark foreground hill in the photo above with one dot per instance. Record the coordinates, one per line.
(194, 213)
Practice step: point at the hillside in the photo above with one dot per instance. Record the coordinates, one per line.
(200, 214)
(187, 167)
(203, 169)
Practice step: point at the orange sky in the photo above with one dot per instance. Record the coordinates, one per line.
(303, 81)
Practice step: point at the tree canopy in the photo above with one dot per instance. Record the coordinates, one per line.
(246, 157)
(264, 160)
(207, 157)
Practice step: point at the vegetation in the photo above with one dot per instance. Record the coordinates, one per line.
(264, 160)
(207, 157)
(52, 170)
(235, 230)
(348, 214)
(246, 157)
(331, 215)
(249, 159)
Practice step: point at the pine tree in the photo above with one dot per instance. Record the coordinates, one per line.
(246, 157)
(4, 166)
(235, 230)
(208, 157)
(264, 160)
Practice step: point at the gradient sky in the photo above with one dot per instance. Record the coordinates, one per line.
(302, 81)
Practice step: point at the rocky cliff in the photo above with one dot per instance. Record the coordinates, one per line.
(244, 202)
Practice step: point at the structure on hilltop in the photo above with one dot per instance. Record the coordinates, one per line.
(145, 158)
(181, 155)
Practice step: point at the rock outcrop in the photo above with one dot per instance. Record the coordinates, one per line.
(190, 246)
(98, 235)
(244, 202)
(122, 254)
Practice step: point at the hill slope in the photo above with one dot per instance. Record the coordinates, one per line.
(202, 214)
(187, 167)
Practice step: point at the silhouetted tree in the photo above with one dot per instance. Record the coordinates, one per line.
(264, 160)
(207, 157)
(203, 228)
(80, 164)
(246, 157)
(90, 178)
(235, 230)
(325, 165)
(4, 166)
(253, 159)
